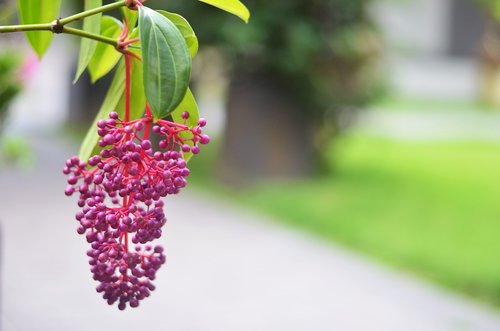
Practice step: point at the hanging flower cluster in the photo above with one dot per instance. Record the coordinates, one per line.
(120, 187)
(119, 193)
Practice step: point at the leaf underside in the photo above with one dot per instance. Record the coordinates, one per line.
(186, 30)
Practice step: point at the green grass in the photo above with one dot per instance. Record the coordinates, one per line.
(432, 208)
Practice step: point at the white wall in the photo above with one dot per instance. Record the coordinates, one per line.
(418, 27)
(416, 34)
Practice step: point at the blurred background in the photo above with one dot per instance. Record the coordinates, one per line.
(351, 184)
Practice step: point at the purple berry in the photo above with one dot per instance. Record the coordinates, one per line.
(119, 192)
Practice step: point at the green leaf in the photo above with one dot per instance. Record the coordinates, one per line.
(188, 104)
(166, 60)
(115, 101)
(88, 46)
(186, 30)
(38, 11)
(105, 56)
(234, 7)
(113, 97)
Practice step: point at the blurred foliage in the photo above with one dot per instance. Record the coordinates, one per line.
(10, 62)
(16, 151)
(12, 150)
(10, 84)
(326, 49)
(492, 8)
(7, 11)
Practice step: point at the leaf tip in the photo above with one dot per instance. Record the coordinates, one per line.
(77, 77)
(39, 53)
(246, 17)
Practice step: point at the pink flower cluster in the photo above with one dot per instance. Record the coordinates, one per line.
(119, 193)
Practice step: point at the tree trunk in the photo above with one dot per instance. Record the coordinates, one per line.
(268, 132)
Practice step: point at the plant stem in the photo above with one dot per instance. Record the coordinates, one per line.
(62, 22)
(25, 27)
(85, 34)
(128, 69)
(68, 30)
(91, 12)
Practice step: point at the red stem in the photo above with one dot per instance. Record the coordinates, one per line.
(149, 116)
(128, 68)
(146, 130)
(124, 33)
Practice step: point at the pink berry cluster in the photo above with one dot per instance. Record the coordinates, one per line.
(119, 193)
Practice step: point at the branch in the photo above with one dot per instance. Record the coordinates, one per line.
(26, 27)
(79, 16)
(58, 26)
(85, 34)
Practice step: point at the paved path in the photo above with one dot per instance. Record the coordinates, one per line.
(227, 270)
